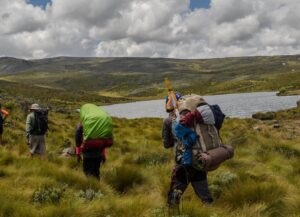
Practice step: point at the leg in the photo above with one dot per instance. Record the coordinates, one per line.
(87, 166)
(200, 185)
(179, 182)
(96, 167)
(41, 149)
(91, 167)
(33, 146)
(1, 132)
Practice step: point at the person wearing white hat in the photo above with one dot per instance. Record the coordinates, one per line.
(36, 128)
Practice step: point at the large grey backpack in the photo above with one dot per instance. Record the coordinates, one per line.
(208, 152)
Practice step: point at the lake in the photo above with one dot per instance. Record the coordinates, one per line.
(240, 105)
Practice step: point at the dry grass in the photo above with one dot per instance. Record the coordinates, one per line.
(261, 180)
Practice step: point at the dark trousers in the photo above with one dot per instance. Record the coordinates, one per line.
(180, 179)
(91, 166)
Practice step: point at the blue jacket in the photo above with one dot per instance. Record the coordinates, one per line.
(188, 137)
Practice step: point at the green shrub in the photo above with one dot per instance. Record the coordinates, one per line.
(216, 190)
(264, 116)
(47, 195)
(225, 178)
(10, 105)
(89, 194)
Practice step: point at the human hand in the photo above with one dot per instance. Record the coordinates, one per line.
(103, 159)
(79, 158)
(187, 119)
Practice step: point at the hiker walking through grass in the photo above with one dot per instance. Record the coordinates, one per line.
(182, 174)
(92, 136)
(3, 116)
(36, 128)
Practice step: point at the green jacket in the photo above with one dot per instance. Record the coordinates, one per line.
(30, 125)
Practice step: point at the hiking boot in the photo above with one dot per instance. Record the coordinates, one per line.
(174, 198)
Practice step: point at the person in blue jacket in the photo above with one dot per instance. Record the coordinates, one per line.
(183, 173)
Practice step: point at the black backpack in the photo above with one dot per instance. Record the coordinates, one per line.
(219, 116)
(1, 118)
(41, 121)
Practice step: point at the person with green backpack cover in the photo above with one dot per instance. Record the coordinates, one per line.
(92, 136)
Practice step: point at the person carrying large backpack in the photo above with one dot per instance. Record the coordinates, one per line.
(92, 136)
(3, 116)
(182, 174)
(36, 128)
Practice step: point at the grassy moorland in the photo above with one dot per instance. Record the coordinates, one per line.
(144, 77)
(261, 180)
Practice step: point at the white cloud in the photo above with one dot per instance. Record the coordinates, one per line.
(152, 28)
(16, 16)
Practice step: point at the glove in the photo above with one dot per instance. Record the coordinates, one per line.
(79, 159)
(187, 119)
(103, 159)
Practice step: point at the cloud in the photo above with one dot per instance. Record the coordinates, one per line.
(151, 28)
(17, 16)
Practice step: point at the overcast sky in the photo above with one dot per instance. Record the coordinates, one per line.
(149, 28)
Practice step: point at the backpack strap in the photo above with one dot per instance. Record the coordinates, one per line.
(201, 140)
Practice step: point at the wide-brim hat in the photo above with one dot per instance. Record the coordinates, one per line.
(35, 107)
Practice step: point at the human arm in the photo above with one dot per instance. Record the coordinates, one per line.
(78, 140)
(29, 126)
(103, 155)
(167, 135)
(4, 113)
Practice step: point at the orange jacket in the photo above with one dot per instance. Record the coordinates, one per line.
(4, 113)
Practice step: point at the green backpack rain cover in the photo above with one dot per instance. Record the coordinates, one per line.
(97, 124)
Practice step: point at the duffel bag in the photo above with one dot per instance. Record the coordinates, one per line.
(97, 143)
(213, 158)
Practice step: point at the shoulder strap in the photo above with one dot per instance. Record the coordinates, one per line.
(210, 129)
(200, 140)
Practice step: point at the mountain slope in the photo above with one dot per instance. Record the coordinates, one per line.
(145, 76)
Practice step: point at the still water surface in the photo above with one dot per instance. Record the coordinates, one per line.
(241, 105)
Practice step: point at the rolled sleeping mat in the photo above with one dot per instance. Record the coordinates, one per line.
(213, 158)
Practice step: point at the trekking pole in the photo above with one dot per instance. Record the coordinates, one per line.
(172, 102)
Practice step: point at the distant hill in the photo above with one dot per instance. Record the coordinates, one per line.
(142, 77)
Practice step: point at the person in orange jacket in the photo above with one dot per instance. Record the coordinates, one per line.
(3, 116)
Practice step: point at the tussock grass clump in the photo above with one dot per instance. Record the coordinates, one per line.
(3, 173)
(251, 193)
(151, 159)
(124, 178)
